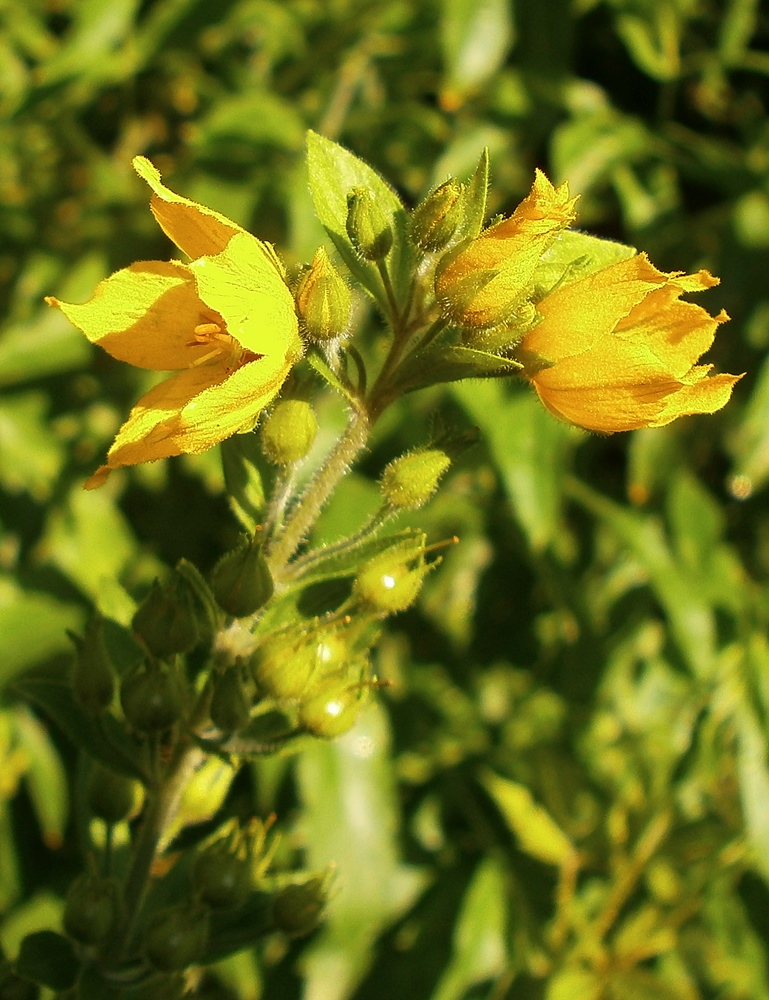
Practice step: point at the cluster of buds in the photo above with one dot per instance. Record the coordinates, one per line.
(322, 673)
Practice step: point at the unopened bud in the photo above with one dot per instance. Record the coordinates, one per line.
(323, 299)
(152, 697)
(177, 936)
(390, 582)
(296, 909)
(91, 908)
(367, 225)
(93, 679)
(332, 707)
(230, 706)
(408, 482)
(241, 581)
(222, 875)
(111, 796)
(168, 619)
(434, 220)
(284, 667)
(289, 431)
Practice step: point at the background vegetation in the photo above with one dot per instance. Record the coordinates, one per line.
(568, 792)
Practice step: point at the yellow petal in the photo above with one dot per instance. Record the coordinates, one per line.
(246, 286)
(480, 283)
(617, 387)
(703, 395)
(578, 315)
(144, 314)
(195, 229)
(194, 410)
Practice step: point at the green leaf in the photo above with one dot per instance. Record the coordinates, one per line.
(32, 627)
(101, 736)
(475, 38)
(334, 171)
(351, 821)
(45, 777)
(244, 468)
(30, 455)
(242, 121)
(48, 959)
(480, 950)
(89, 540)
(529, 449)
(537, 832)
(440, 363)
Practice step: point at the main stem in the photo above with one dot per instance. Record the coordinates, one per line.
(317, 493)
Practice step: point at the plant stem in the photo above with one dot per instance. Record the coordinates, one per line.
(317, 493)
(160, 810)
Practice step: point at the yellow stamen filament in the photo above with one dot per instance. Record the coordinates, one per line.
(216, 335)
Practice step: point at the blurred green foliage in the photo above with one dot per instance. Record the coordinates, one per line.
(565, 790)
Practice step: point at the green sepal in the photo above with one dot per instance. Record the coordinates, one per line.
(247, 478)
(334, 172)
(316, 360)
(474, 197)
(101, 736)
(575, 255)
(49, 959)
(446, 363)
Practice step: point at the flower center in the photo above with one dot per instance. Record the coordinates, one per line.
(222, 343)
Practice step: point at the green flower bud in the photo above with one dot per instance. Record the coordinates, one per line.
(296, 909)
(112, 797)
(168, 620)
(177, 936)
(91, 908)
(389, 583)
(222, 878)
(408, 482)
(434, 220)
(367, 225)
(152, 697)
(332, 707)
(323, 299)
(241, 581)
(289, 431)
(230, 706)
(93, 679)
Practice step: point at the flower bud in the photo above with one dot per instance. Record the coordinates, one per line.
(93, 679)
(91, 908)
(167, 620)
(241, 581)
(389, 582)
(177, 936)
(434, 220)
(112, 797)
(332, 707)
(323, 299)
(289, 431)
(284, 667)
(152, 697)
(296, 909)
(367, 225)
(408, 482)
(222, 877)
(230, 706)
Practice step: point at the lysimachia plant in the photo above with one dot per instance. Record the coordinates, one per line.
(273, 648)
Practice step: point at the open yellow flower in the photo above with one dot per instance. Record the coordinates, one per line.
(480, 283)
(617, 349)
(225, 323)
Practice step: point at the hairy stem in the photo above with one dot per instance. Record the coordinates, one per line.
(317, 493)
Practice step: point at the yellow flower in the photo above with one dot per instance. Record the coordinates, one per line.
(617, 349)
(225, 323)
(480, 283)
